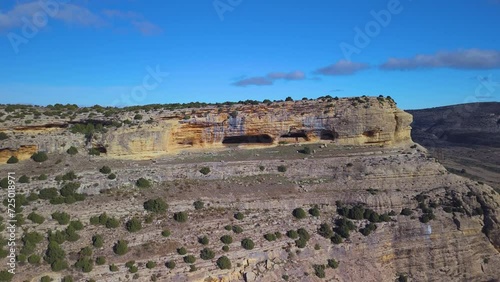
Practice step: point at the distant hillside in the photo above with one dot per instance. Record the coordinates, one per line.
(464, 138)
(471, 124)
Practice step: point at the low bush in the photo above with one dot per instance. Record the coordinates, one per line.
(224, 262)
(12, 160)
(247, 244)
(270, 237)
(143, 183)
(170, 264)
(39, 157)
(205, 170)
(155, 205)
(226, 239)
(120, 247)
(165, 233)
(133, 225)
(299, 213)
(36, 218)
(332, 263)
(105, 170)
(319, 270)
(239, 216)
(198, 205)
(203, 240)
(180, 216)
(181, 251)
(189, 259)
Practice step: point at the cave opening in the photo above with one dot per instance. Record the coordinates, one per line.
(296, 135)
(101, 149)
(248, 139)
(328, 135)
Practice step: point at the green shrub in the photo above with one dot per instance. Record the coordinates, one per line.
(406, 211)
(332, 263)
(36, 218)
(207, 254)
(54, 253)
(113, 268)
(69, 176)
(306, 150)
(157, 205)
(225, 248)
(133, 225)
(247, 244)
(282, 168)
(32, 197)
(299, 213)
(58, 265)
(94, 152)
(226, 239)
(3, 136)
(189, 259)
(237, 229)
(228, 227)
(86, 252)
(143, 183)
(76, 224)
(138, 117)
(150, 264)
(61, 217)
(34, 259)
(239, 216)
(72, 150)
(319, 270)
(112, 222)
(39, 157)
(292, 234)
(205, 170)
(100, 260)
(270, 237)
(112, 176)
(42, 176)
(198, 205)
(4, 183)
(181, 251)
(120, 247)
(84, 264)
(180, 216)
(170, 264)
(46, 278)
(24, 179)
(325, 230)
(203, 240)
(336, 239)
(12, 160)
(48, 193)
(165, 233)
(262, 168)
(314, 211)
(300, 243)
(69, 189)
(105, 170)
(97, 241)
(67, 278)
(224, 262)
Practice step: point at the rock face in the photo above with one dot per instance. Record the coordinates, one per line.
(353, 121)
(374, 123)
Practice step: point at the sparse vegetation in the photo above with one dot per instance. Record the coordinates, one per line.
(180, 216)
(224, 262)
(143, 183)
(205, 170)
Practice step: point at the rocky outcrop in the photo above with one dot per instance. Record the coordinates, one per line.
(340, 121)
(348, 121)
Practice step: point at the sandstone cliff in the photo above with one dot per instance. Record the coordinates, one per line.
(348, 121)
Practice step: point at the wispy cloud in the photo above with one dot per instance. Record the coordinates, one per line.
(461, 59)
(137, 20)
(67, 13)
(342, 67)
(73, 14)
(270, 78)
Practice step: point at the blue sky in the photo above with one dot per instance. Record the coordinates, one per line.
(422, 53)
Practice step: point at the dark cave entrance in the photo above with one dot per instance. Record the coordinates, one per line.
(295, 135)
(328, 135)
(248, 139)
(101, 149)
